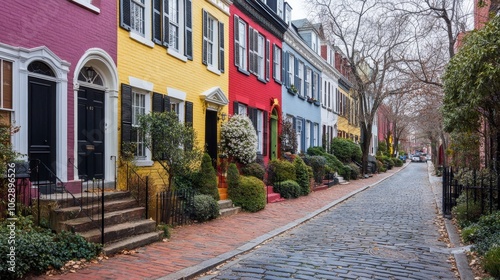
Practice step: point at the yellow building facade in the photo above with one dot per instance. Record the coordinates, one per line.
(348, 120)
(172, 56)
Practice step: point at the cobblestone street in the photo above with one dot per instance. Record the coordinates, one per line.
(386, 232)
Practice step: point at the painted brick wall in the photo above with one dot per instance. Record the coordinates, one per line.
(156, 66)
(67, 29)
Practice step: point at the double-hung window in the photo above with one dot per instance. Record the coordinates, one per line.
(257, 51)
(242, 109)
(164, 22)
(277, 63)
(260, 130)
(213, 43)
(240, 43)
(291, 70)
(300, 78)
(260, 56)
(6, 79)
(139, 109)
(307, 83)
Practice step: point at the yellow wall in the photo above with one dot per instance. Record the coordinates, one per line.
(343, 121)
(156, 66)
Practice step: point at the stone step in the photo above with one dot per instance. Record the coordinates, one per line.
(229, 211)
(225, 204)
(132, 242)
(110, 218)
(68, 213)
(87, 197)
(119, 231)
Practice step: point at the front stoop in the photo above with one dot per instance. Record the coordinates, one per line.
(125, 227)
(226, 208)
(272, 196)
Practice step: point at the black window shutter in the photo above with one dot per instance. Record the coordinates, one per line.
(268, 56)
(204, 38)
(235, 108)
(166, 23)
(157, 21)
(274, 59)
(236, 41)
(221, 46)
(189, 31)
(125, 14)
(266, 134)
(157, 102)
(252, 115)
(166, 103)
(126, 104)
(188, 113)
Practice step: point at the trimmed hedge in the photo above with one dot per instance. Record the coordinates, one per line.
(346, 150)
(254, 169)
(280, 170)
(302, 173)
(207, 178)
(287, 189)
(249, 193)
(204, 208)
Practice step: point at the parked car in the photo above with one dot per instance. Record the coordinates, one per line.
(415, 158)
(423, 157)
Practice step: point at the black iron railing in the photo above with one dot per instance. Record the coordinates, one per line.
(481, 191)
(173, 207)
(138, 186)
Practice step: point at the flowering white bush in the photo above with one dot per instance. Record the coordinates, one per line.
(239, 139)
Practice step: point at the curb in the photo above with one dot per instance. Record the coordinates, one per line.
(464, 270)
(193, 271)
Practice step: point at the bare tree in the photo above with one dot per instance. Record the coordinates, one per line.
(372, 37)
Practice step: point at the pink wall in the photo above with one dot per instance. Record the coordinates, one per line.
(67, 29)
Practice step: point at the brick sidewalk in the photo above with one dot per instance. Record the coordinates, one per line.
(193, 244)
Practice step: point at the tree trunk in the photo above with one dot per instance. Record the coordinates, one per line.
(366, 137)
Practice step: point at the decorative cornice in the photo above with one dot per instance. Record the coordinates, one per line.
(263, 15)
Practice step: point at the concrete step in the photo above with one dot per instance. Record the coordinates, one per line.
(87, 198)
(225, 204)
(229, 211)
(119, 231)
(132, 242)
(110, 218)
(109, 206)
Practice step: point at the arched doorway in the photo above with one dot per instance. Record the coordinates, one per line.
(96, 116)
(91, 125)
(42, 118)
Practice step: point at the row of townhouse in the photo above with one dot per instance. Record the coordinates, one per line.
(76, 75)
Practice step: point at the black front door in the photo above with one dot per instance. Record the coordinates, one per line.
(211, 135)
(91, 133)
(42, 125)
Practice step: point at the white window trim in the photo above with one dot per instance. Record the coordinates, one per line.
(145, 39)
(87, 4)
(147, 104)
(261, 64)
(277, 63)
(179, 53)
(291, 70)
(243, 48)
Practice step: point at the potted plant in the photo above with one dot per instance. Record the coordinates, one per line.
(293, 90)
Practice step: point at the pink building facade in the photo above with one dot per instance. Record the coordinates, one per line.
(60, 84)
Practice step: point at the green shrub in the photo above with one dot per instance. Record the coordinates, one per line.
(204, 208)
(37, 249)
(318, 166)
(165, 228)
(249, 193)
(466, 214)
(302, 173)
(468, 234)
(233, 176)
(254, 169)
(491, 261)
(280, 170)
(398, 162)
(331, 160)
(487, 234)
(287, 189)
(355, 171)
(207, 178)
(346, 150)
(380, 166)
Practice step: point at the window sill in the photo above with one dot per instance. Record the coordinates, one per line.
(241, 70)
(143, 162)
(302, 97)
(139, 38)
(262, 80)
(87, 5)
(278, 81)
(176, 54)
(292, 92)
(213, 70)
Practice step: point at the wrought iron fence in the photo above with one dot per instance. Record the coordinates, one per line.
(480, 191)
(173, 207)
